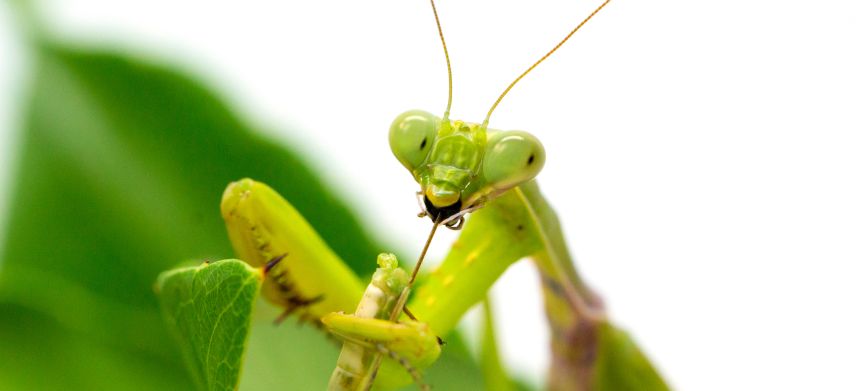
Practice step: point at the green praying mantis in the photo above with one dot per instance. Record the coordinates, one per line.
(461, 168)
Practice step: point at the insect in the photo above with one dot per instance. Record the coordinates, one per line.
(461, 168)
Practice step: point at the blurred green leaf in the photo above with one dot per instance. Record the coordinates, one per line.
(123, 164)
(209, 308)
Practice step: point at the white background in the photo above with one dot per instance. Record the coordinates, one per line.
(704, 157)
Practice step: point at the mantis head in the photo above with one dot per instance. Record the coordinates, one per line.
(460, 166)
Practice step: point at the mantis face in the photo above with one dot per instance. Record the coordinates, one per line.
(459, 165)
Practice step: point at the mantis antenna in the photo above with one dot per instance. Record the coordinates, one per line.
(449, 70)
(531, 68)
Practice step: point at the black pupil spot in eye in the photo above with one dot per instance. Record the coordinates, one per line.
(531, 159)
(423, 144)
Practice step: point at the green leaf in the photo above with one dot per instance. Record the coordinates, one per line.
(209, 309)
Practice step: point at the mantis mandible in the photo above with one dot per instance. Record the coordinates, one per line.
(461, 168)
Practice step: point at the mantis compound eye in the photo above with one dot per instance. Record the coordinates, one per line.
(411, 137)
(512, 157)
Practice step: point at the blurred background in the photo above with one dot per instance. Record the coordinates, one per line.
(705, 159)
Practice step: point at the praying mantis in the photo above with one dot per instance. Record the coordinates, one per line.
(461, 168)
